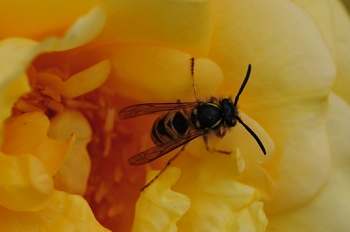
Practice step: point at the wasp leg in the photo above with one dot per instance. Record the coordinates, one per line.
(193, 83)
(211, 150)
(165, 167)
(221, 132)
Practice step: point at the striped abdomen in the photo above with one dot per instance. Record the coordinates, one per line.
(169, 127)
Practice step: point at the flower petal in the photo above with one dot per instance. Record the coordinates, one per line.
(17, 53)
(323, 14)
(287, 53)
(73, 174)
(85, 29)
(10, 91)
(334, 23)
(33, 19)
(284, 47)
(160, 74)
(217, 202)
(27, 133)
(79, 83)
(25, 183)
(159, 208)
(63, 213)
(341, 30)
(299, 132)
(184, 25)
(329, 210)
(254, 173)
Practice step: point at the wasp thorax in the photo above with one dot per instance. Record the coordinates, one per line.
(206, 116)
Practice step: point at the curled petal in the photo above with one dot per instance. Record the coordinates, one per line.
(218, 203)
(158, 74)
(13, 82)
(85, 29)
(74, 172)
(17, 53)
(254, 173)
(40, 17)
(25, 183)
(341, 28)
(286, 51)
(284, 47)
(333, 20)
(330, 208)
(64, 212)
(184, 25)
(79, 83)
(159, 208)
(27, 133)
(239, 137)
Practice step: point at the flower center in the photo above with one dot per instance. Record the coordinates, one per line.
(113, 184)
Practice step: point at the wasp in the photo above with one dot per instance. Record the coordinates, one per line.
(185, 121)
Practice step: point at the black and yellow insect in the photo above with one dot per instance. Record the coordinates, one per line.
(185, 121)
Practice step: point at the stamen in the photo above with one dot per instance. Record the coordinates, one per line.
(115, 210)
(47, 91)
(81, 104)
(118, 174)
(107, 144)
(109, 123)
(101, 191)
(53, 105)
(25, 106)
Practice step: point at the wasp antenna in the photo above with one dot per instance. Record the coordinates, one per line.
(243, 84)
(253, 134)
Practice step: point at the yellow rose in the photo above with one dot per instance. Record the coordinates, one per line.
(65, 74)
(42, 140)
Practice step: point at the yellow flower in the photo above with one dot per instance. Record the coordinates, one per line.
(33, 165)
(64, 152)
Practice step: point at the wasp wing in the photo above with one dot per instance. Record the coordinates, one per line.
(150, 108)
(162, 149)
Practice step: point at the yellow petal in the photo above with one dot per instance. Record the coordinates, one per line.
(292, 72)
(334, 22)
(239, 137)
(27, 133)
(254, 174)
(184, 25)
(10, 90)
(160, 74)
(341, 27)
(330, 208)
(85, 29)
(323, 13)
(25, 183)
(80, 83)
(299, 131)
(217, 202)
(32, 19)
(284, 47)
(73, 174)
(17, 53)
(159, 208)
(63, 213)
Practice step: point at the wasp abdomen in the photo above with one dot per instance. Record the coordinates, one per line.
(169, 127)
